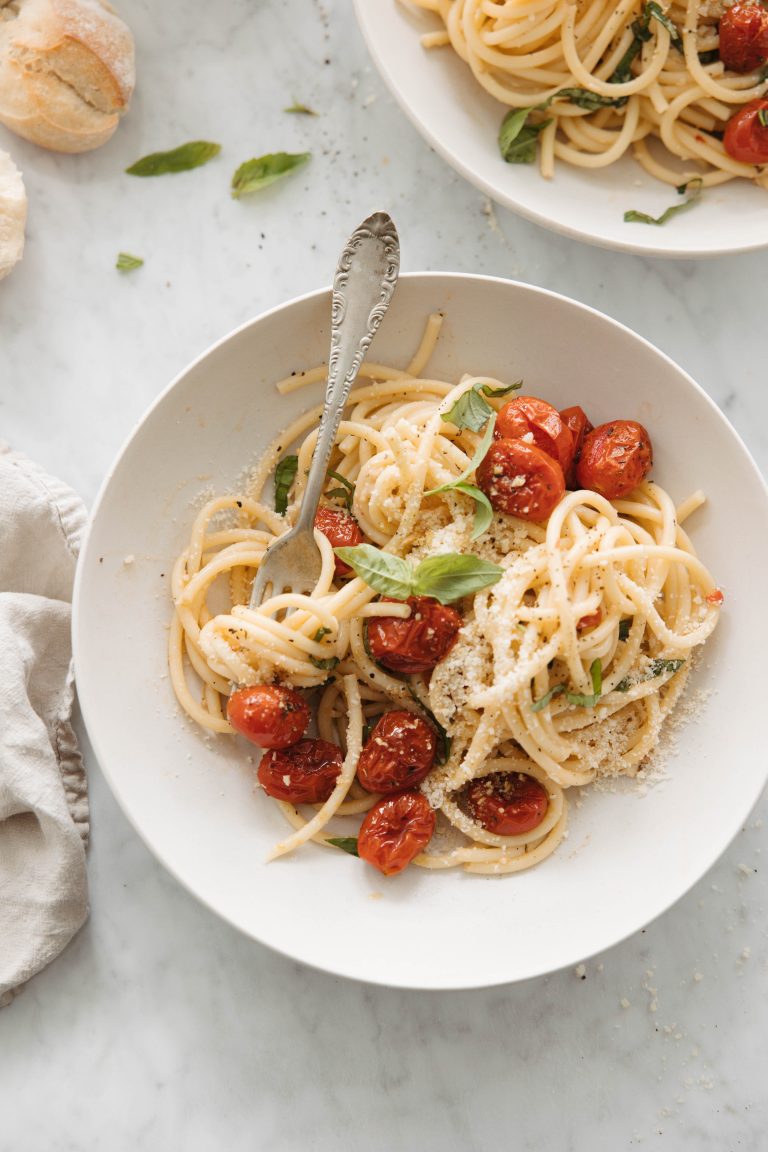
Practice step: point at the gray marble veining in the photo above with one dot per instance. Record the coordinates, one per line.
(161, 1027)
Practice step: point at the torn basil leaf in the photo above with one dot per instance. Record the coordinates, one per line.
(301, 110)
(126, 262)
(181, 159)
(471, 410)
(258, 173)
(695, 186)
(285, 474)
(657, 667)
(624, 627)
(346, 492)
(518, 138)
(578, 698)
(591, 101)
(347, 843)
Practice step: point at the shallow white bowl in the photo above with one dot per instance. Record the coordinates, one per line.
(192, 798)
(461, 122)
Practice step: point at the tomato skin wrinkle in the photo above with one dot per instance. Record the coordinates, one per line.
(578, 422)
(395, 831)
(744, 37)
(527, 416)
(507, 803)
(417, 643)
(305, 773)
(399, 753)
(342, 530)
(615, 458)
(268, 715)
(745, 139)
(521, 480)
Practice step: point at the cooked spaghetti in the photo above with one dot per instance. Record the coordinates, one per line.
(602, 78)
(566, 663)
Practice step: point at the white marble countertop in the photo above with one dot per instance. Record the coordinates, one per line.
(161, 1027)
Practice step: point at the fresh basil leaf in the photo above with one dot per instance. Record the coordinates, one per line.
(258, 173)
(471, 411)
(547, 697)
(477, 458)
(126, 262)
(582, 701)
(321, 632)
(711, 57)
(301, 110)
(453, 575)
(762, 115)
(657, 667)
(641, 33)
(285, 474)
(181, 159)
(324, 665)
(517, 140)
(695, 185)
(624, 627)
(347, 843)
(659, 14)
(387, 574)
(483, 509)
(591, 101)
(345, 493)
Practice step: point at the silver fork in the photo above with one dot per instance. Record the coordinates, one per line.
(362, 289)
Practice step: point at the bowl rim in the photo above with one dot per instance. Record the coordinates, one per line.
(339, 970)
(498, 196)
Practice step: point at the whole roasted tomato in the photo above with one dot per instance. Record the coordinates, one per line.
(417, 643)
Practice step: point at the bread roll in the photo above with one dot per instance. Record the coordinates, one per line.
(66, 71)
(13, 214)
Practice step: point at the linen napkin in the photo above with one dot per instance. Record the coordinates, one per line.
(43, 793)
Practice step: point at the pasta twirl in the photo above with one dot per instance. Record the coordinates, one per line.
(564, 669)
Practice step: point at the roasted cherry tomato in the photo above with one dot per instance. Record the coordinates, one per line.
(577, 421)
(269, 715)
(396, 830)
(399, 753)
(415, 644)
(615, 458)
(507, 803)
(527, 417)
(521, 480)
(342, 530)
(746, 139)
(591, 620)
(305, 773)
(744, 37)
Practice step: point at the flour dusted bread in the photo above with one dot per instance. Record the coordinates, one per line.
(13, 214)
(66, 71)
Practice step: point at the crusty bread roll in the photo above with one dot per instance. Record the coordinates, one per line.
(13, 214)
(66, 71)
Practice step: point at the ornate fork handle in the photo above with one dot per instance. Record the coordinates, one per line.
(362, 289)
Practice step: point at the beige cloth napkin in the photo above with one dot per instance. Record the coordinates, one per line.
(43, 794)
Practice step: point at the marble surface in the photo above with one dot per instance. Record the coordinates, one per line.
(160, 1026)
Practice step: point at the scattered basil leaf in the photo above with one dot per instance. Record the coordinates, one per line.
(324, 665)
(347, 843)
(547, 697)
(477, 458)
(126, 262)
(301, 110)
(453, 575)
(577, 698)
(624, 627)
(658, 13)
(258, 173)
(345, 493)
(285, 474)
(517, 140)
(591, 101)
(483, 510)
(763, 117)
(445, 578)
(582, 701)
(695, 185)
(321, 632)
(471, 410)
(711, 57)
(387, 574)
(657, 667)
(181, 159)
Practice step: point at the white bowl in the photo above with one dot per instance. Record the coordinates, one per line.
(461, 122)
(192, 798)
